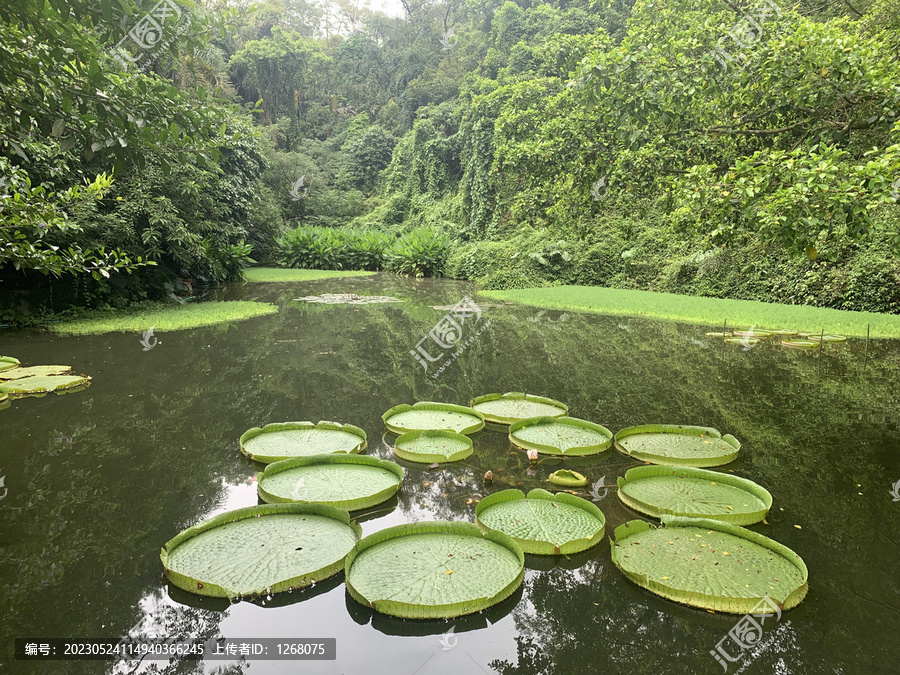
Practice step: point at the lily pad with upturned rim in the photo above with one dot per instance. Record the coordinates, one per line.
(19, 373)
(283, 440)
(567, 436)
(686, 491)
(428, 447)
(429, 416)
(543, 523)
(800, 344)
(760, 334)
(350, 482)
(827, 339)
(8, 362)
(505, 409)
(568, 478)
(42, 384)
(679, 445)
(710, 564)
(260, 549)
(457, 568)
(720, 335)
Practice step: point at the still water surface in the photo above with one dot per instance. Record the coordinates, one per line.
(96, 481)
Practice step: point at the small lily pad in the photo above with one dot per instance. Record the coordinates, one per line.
(350, 482)
(542, 523)
(282, 440)
(800, 344)
(33, 371)
(42, 384)
(457, 568)
(685, 491)
(782, 332)
(719, 335)
(757, 333)
(680, 445)
(568, 478)
(828, 339)
(504, 409)
(427, 415)
(427, 447)
(560, 436)
(260, 549)
(710, 564)
(8, 362)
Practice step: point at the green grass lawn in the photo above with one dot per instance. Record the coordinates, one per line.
(191, 315)
(711, 312)
(278, 274)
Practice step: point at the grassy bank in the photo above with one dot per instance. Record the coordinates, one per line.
(710, 312)
(181, 317)
(266, 274)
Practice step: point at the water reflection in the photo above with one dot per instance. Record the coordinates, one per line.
(154, 449)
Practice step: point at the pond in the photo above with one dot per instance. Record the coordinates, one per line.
(97, 480)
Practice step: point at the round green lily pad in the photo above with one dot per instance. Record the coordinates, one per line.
(800, 344)
(782, 332)
(828, 339)
(427, 447)
(260, 549)
(432, 570)
(685, 491)
(282, 440)
(514, 406)
(678, 444)
(8, 362)
(33, 371)
(542, 523)
(41, 384)
(568, 478)
(560, 436)
(757, 333)
(350, 482)
(427, 415)
(710, 564)
(719, 335)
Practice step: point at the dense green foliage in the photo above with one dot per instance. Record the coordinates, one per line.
(668, 145)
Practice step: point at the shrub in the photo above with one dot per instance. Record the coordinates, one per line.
(419, 253)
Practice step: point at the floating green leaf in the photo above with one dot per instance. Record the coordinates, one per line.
(33, 371)
(680, 445)
(782, 332)
(719, 335)
(282, 440)
(260, 549)
(4, 400)
(350, 482)
(431, 570)
(560, 436)
(746, 341)
(828, 339)
(432, 446)
(42, 384)
(8, 362)
(800, 344)
(761, 334)
(542, 523)
(427, 415)
(568, 478)
(685, 491)
(514, 406)
(710, 564)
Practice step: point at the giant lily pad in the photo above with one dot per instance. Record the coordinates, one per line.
(428, 447)
(560, 436)
(514, 406)
(42, 384)
(542, 523)
(282, 440)
(432, 570)
(8, 362)
(828, 339)
(350, 482)
(4, 400)
(260, 549)
(33, 371)
(757, 333)
(710, 564)
(679, 445)
(427, 415)
(684, 491)
(800, 344)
